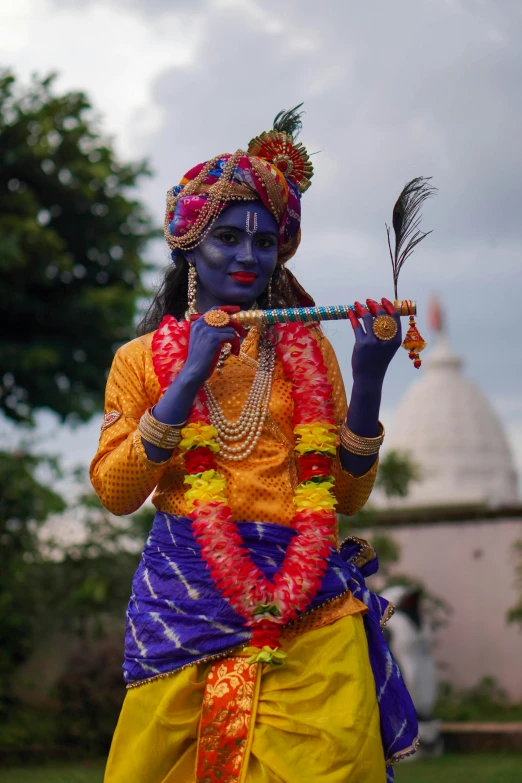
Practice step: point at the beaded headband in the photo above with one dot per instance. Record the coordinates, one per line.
(274, 170)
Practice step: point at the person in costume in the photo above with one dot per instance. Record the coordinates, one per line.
(254, 652)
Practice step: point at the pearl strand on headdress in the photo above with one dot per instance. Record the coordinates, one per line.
(217, 198)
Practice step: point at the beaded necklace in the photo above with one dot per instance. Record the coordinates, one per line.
(266, 605)
(248, 427)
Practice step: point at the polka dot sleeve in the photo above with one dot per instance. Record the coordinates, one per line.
(121, 473)
(351, 492)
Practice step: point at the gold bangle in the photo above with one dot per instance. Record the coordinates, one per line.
(363, 447)
(142, 454)
(164, 436)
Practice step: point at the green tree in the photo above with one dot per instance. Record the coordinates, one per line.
(52, 590)
(25, 502)
(71, 235)
(71, 238)
(397, 471)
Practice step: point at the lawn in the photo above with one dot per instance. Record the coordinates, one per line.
(480, 768)
(81, 772)
(450, 769)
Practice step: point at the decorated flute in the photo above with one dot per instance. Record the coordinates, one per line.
(310, 314)
(384, 326)
(406, 226)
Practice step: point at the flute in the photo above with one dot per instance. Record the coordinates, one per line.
(310, 314)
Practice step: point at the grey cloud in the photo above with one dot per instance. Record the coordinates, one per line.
(143, 7)
(391, 91)
(416, 90)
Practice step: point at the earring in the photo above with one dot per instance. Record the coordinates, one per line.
(269, 294)
(192, 284)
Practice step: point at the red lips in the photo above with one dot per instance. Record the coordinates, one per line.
(244, 277)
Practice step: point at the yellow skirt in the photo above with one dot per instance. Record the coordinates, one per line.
(316, 718)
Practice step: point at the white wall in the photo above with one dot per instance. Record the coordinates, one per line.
(471, 566)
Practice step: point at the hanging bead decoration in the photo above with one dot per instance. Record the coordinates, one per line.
(414, 343)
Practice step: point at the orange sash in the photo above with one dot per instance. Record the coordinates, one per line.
(225, 735)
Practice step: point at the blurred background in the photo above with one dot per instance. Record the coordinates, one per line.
(103, 107)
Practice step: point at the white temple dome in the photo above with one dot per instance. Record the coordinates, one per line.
(454, 436)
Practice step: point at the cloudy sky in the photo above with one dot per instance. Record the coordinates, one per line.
(391, 91)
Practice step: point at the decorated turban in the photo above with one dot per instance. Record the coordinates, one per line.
(274, 170)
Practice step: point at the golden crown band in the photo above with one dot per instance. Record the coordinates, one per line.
(310, 314)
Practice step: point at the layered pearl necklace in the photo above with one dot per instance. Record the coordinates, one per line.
(249, 426)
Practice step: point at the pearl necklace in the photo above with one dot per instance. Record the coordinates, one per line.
(248, 427)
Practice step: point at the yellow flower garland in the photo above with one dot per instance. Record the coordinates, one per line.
(197, 433)
(314, 495)
(316, 437)
(206, 487)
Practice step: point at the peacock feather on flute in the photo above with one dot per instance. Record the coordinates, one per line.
(406, 220)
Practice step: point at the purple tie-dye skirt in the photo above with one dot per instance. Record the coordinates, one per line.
(177, 617)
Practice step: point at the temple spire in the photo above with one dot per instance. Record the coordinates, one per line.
(435, 315)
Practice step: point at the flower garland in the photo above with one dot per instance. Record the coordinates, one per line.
(266, 605)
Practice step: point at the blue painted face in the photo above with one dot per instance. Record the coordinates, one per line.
(236, 259)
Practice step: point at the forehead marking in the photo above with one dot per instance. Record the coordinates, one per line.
(251, 223)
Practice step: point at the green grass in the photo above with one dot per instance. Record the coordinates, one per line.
(80, 772)
(485, 768)
(479, 768)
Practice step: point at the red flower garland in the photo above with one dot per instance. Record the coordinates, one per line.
(266, 605)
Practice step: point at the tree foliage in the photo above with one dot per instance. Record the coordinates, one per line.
(25, 502)
(88, 579)
(71, 235)
(397, 471)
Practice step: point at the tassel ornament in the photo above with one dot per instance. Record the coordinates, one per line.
(414, 343)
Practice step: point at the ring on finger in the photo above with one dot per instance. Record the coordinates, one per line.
(217, 318)
(385, 327)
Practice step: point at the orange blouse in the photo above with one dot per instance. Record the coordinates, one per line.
(259, 488)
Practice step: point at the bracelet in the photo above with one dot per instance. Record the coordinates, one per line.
(164, 436)
(363, 447)
(142, 454)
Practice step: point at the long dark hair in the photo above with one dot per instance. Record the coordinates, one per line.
(172, 295)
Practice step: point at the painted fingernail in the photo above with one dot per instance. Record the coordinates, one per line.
(353, 319)
(372, 305)
(359, 308)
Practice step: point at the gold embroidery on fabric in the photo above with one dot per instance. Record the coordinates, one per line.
(226, 715)
(278, 434)
(110, 418)
(402, 754)
(327, 613)
(388, 612)
(366, 551)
